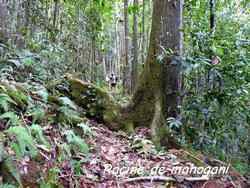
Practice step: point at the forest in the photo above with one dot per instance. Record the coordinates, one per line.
(124, 93)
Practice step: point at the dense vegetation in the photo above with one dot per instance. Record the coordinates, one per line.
(56, 103)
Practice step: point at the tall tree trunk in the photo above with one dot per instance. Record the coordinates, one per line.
(212, 15)
(46, 17)
(126, 63)
(93, 62)
(135, 49)
(248, 120)
(55, 13)
(27, 13)
(3, 22)
(212, 30)
(156, 96)
(172, 38)
(78, 34)
(143, 32)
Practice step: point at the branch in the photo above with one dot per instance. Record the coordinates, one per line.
(149, 178)
(164, 178)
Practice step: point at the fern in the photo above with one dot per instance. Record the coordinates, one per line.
(37, 113)
(28, 61)
(69, 116)
(25, 144)
(37, 132)
(76, 142)
(52, 180)
(5, 101)
(12, 117)
(43, 93)
(143, 146)
(10, 166)
(38, 90)
(7, 186)
(86, 129)
(18, 96)
(65, 101)
(65, 152)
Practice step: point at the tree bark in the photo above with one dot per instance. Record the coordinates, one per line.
(126, 63)
(143, 32)
(212, 15)
(27, 14)
(212, 20)
(4, 35)
(135, 49)
(172, 38)
(55, 13)
(156, 96)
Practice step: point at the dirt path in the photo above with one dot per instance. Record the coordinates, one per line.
(117, 158)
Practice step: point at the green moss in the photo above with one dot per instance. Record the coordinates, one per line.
(109, 116)
(96, 101)
(128, 127)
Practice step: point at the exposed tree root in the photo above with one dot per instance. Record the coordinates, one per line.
(164, 178)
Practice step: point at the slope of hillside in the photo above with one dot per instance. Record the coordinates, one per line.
(48, 141)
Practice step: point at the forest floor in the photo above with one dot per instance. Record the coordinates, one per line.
(41, 147)
(119, 150)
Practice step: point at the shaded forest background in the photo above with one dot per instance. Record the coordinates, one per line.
(41, 41)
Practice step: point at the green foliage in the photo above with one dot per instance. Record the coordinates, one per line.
(213, 119)
(76, 143)
(133, 8)
(13, 119)
(65, 101)
(86, 129)
(5, 102)
(52, 179)
(241, 167)
(18, 96)
(174, 123)
(37, 113)
(215, 113)
(37, 133)
(24, 144)
(65, 152)
(11, 168)
(28, 62)
(43, 93)
(8, 186)
(77, 167)
(143, 146)
(37, 109)
(67, 115)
